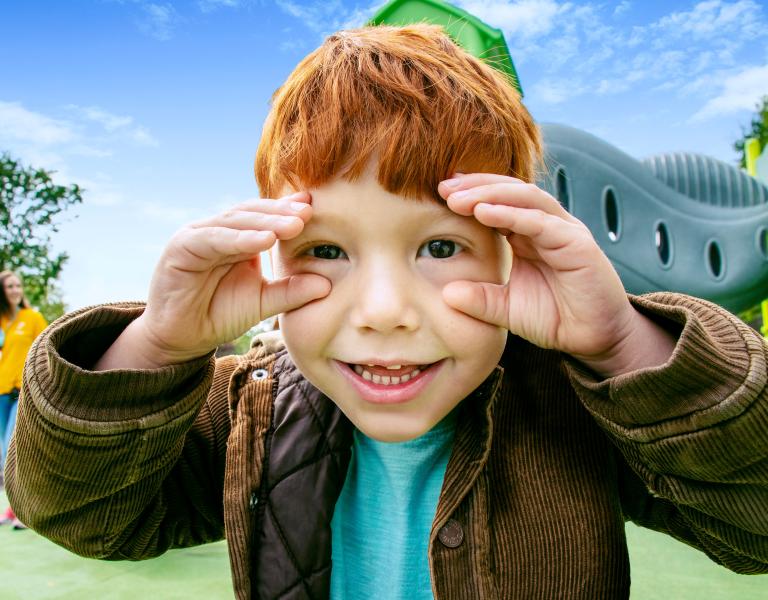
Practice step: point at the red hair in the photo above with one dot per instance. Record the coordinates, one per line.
(407, 97)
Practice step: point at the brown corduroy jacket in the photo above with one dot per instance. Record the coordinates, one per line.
(548, 462)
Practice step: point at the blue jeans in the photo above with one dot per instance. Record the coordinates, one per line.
(8, 406)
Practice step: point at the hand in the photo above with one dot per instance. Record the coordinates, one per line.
(208, 286)
(563, 293)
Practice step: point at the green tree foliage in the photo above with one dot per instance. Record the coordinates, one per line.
(30, 208)
(758, 128)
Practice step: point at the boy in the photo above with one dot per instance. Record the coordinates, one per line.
(469, 405)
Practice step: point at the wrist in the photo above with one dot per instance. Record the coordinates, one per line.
(644, 345)
(138, 348)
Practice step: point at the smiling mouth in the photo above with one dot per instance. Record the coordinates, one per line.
(390, 375)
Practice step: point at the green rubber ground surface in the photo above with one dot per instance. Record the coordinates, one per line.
(31, 567)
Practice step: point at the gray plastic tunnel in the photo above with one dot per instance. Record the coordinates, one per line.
(678, 222)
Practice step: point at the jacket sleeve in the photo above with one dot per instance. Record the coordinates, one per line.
(693, 432)
(118, 464)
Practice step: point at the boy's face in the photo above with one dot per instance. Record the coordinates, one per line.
(388, 258)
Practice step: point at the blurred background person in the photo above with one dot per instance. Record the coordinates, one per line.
(20, 325)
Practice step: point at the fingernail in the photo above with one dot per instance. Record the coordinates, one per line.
(452, 183)
(297, 206)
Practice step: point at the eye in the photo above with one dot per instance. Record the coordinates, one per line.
(439, 249)
(326, 252)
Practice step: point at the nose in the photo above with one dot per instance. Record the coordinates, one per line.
(385, 300)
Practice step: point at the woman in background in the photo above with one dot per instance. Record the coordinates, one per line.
(19, 326)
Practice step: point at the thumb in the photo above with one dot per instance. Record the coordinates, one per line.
(484, 301)
(289, 293)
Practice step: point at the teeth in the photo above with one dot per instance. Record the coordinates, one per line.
(394, 367)
(384, 379)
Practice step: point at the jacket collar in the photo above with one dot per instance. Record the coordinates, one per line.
(471, 447)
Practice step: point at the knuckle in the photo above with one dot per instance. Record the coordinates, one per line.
(180, 236)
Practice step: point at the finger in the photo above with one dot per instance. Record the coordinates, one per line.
(522, 195)
(484, 301)
(463, 181)
(292, 204)
(295, 205)
(523, 247)
(202, 248)
(545, 230)
(284, 226)
(292, 292)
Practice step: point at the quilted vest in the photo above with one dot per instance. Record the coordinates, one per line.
(307, 450)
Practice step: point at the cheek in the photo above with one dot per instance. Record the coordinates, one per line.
(308, 329)
(470, 338)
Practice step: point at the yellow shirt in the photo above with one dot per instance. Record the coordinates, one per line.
(19, 335)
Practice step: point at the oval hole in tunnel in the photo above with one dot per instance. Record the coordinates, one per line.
(561, 189)
(663, 244)
(762, 242)
(611, 214)
(715, 262)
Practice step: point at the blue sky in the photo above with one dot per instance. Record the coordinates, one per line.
(155, 107)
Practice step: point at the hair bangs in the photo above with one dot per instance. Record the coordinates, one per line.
(407, 98)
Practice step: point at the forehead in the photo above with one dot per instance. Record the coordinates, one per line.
(364, 202)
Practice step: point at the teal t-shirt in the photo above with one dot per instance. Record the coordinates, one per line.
(383, 518)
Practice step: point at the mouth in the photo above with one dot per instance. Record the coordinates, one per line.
(390, 384)
(389, 375)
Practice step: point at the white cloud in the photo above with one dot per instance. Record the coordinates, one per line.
(556, 91)
(741, 91)
(117, 126)
(109, 121)
(56, 144)
(585, 46)
(712, 18)
(22, 125)
(158, 20)
(211, 5)
(141, 136)
(518, 18)
(623, 7)
(327, 16)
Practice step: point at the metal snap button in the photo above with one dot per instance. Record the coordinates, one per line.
(259, 374)
(451, 534)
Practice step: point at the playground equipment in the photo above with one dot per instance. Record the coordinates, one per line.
(680, 222)
(468, 31)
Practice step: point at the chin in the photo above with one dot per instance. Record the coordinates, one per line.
(403, 429)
